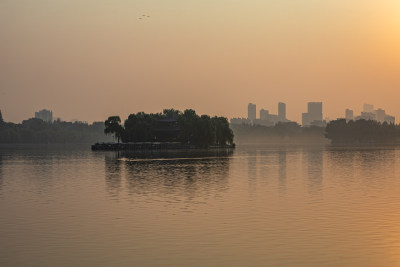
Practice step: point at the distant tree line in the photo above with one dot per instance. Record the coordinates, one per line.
(362, 132)
(282, 132)
(37, 131)
(171, 126)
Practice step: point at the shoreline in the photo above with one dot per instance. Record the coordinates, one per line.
(149, 146)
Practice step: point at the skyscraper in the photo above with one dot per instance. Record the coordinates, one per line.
(349, 115)
(380, 115)
(45, 115)
(305, 120)
(282, 111)
(315, 111)
(251, 111)
(314, 114)
(368, 108)
(264, 114)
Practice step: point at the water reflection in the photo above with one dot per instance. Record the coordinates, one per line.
(314, 163)
(172, 209)
(113, 173)
(252, 169)
(173, 174)
(371, 162)
(282, 155)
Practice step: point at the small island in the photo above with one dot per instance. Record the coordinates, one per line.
(171, 129)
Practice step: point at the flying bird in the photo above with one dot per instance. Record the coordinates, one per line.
(144, 16)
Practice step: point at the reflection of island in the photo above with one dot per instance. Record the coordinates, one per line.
(113, 174)
(173, 173)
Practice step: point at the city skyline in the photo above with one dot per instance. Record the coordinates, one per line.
(314, 115)
(103, 60)
(314, 108)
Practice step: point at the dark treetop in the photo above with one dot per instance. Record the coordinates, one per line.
(362, 132)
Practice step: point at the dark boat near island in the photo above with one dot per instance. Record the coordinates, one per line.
(140, 146)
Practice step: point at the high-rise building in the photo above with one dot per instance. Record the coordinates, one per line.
(380, 115)
(315, 111)
(314, 114)
(264, 114)
(368, 108)
(251, 111)
(282, 111)
(45, 115)
(305, 119)
(368, 116)
(349, 115)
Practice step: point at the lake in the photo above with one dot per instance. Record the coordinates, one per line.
(255, 206)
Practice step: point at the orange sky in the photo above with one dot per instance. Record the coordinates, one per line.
(90, 59)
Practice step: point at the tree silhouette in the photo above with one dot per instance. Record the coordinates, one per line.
(361, 132)
(113, 126)
(174, 126)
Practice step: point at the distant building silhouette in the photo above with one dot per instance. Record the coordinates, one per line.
(349, 115)
(265, 119)
(45, 115)
(368, 108)
(305, 119)
(380, 115)
(314, 115)
(264, 114)
(282, 111)
(251, 111)
(315, 111)
(368, 116)
(240, 121)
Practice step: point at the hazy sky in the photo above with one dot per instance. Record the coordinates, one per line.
(89, 59)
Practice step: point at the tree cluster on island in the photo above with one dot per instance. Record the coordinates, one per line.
(171, 126)
(362, 132)
(37, 131)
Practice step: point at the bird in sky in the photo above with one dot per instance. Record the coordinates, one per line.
(144, 16)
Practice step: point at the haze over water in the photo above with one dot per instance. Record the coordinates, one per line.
(256, 206)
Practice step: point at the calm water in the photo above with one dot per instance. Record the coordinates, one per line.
(257, 206)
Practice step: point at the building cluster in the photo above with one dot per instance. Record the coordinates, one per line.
(313, 116)
(45, 115)
(369, 113)
(265, 118)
